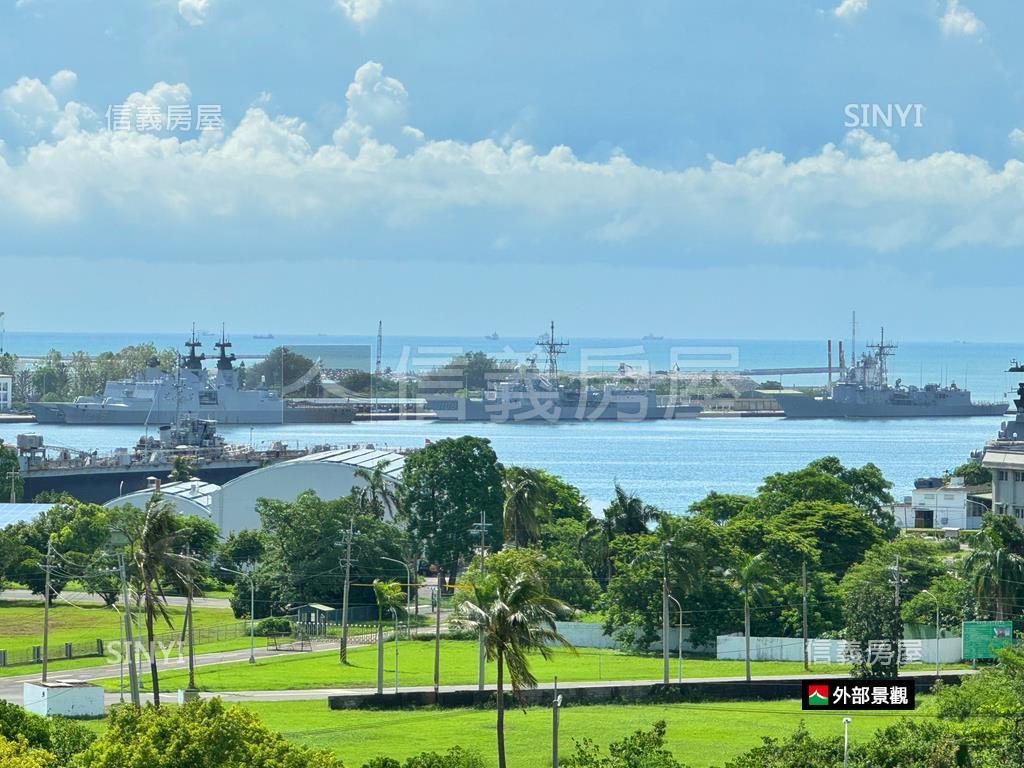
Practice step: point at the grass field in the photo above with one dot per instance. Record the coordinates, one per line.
(458, 667)
(700, 735)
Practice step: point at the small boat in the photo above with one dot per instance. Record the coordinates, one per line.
(263, 335)
(492, 336)
(652, 337)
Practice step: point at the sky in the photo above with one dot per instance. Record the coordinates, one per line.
(692, 169)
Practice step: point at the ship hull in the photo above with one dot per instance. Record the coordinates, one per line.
(100, 414)
(806, 407)
(464, 409)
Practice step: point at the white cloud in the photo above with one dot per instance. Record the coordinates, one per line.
(63, 83)
(361, 11)
(959, 21)
(1017, 138)
(377, 112)
(194, 11)
(850, 9)
(383, 178)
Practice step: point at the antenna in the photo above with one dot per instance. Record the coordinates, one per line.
(553, 349)
(3, 332)
(853, 338)
(882, 351)
(380, 342)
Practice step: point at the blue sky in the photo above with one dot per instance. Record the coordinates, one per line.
(454, 166)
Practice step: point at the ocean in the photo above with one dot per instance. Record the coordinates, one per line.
(668, 463)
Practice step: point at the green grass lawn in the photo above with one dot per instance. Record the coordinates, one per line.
(699, 735)
(458, 667)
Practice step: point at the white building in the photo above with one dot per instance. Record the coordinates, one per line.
(6, 392)
(937, 504)
(232, 506)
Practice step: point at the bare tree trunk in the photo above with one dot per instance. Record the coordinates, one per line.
(151, 641)
(501, 709)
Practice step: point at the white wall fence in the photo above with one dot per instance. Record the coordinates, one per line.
(587, 635)
(826, 651)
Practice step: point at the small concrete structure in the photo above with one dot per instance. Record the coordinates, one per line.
(67, 698)
(6, 392)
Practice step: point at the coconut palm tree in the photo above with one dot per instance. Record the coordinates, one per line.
(751, 577)
(157, 560)
(525, 495)
(995, 572)
(515, 617)
(390, 597)
(628, 514)
(377, 495)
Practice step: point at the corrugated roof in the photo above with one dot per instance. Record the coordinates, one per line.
(367, 458)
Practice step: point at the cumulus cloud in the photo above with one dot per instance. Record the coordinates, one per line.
(63, 83)
(194, 11)
(30, 109)
(264, 173)
(360, 11)
(959, 21)
(850, 9)
(377, 112)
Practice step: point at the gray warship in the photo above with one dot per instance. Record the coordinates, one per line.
(530, 397)
(863, 392)
(158, 397)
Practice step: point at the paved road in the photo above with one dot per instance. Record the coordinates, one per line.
(85, 597)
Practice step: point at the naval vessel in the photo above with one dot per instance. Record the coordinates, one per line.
(530, 397)
(158, 397)
(96, 477)
(863, 392)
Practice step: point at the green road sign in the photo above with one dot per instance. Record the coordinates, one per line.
(981, 639)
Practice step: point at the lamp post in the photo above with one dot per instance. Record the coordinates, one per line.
(249, 572)
(680, 641)
(481, 530)
(938, 667)
(846, 741)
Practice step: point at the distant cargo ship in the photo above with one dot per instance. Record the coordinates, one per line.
(529, 397)
(492, 336)
(263, 335)
(156, 397)
(652, 337)
(863, 392)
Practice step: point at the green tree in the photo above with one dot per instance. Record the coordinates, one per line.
(720, 507)
(842, 531)
(516, 618)
(525, 496)
(996, 571)
(561, 500)
(750, 577)
(446, 488)
(9, 469)
(377, 495)
(245, 546)
(627, 513)
(201, 734)
(157, 560)
(390, 597)
(286, 371)
(973, 473)
(182, 469)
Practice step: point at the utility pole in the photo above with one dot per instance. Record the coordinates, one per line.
(188, 620)
(437, 637)
(481, 528)
(898, 625)
(803, 583)
(46, 604)
(12, 477)
(347, 563)
(664, 617)
(556, 707)
(133, 676)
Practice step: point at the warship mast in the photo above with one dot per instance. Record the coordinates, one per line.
(552, 349)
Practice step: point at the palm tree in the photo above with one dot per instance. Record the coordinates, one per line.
(390, 597)
(628, 514)
(515, 617)
(377, 496)
(751, 577)
(525, 495)
(157, 559)
(995, 570)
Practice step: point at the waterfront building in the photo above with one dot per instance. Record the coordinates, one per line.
(6, 392)
(232, 506)
(938, 503)
(1004, 456)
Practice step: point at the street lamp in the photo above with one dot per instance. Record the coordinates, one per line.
(846, 741)
(249, 572)
(938, 668)
(680, 643)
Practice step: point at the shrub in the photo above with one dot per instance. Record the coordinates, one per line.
(16, 753)
(273, 626)
(644, 749)
(16, 722)
(456, 757)
(201, 734)
(68, 738)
